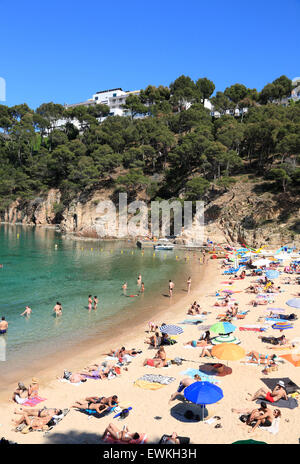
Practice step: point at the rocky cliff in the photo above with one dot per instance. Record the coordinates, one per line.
(245, 213)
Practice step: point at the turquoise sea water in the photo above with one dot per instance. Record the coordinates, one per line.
(36, 273)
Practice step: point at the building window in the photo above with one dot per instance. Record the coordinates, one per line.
(96, 98)
(114, 94)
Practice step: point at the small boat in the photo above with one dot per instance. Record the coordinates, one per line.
(163, 245)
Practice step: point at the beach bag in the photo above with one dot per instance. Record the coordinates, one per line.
(177, 361)
(124, 413)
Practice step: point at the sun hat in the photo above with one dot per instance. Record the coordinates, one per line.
(34, 380)
(281, 383)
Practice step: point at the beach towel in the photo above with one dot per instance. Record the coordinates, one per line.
(253, 328)
(94, 413)
(143, 439)
(291, 403)
(290, 386)
(274, 428)
(190, 321)
(148, 385)
(292, 358)
(204, 377)
(68, 381)
(34, 401)
(161, 379)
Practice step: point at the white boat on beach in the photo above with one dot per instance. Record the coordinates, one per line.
(164, 244)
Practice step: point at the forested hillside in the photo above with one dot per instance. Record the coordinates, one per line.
(174, 152)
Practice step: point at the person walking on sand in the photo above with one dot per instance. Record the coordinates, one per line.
(171, 288)
(95, 302)
(58, 309)
(3, 326)
(27, 311)
(203, 256)
(90, 301)
(189, 283)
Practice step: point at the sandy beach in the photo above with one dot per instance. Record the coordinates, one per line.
(151, 411)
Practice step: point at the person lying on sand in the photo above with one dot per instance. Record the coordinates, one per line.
(278, 393)
(36, 412)
(123, 435)
(73, 378)
(206, 351)
(261, 416)
(258, 358)
(275, 340)
(35, 422)
(196, 343)
(99, 404)
(185, 383)
(97, 370)
(173, 439)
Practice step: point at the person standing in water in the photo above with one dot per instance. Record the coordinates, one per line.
(139, 280)
(189, 283)
(58, 309)
(124, 287)
(90, 301)
(3, 326)
(142, 287)
(27, 311)
(171, 288)
(95, 302)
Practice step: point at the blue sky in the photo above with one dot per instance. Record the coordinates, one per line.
(64, 51)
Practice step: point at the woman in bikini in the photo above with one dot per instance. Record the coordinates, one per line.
(99, 404)
(123, 435)
(39, 412)
(35, 422)
(258, 358)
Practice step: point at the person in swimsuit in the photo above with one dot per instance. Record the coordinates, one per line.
(189, 283)
(171, 288)
(266, 417)
(3, 326)
(278, 393)
(159, 360)
(58, 309)
(27, 311)
(35, 422)
(100, 404)
(139, 280)
(95, 302)
(20, 394)
(124, 287)
(123, 435)
(142, 287)
(39, 412)
(185, 383)
(33, 390)
(258, 358)
(90, 301)
(154, 340)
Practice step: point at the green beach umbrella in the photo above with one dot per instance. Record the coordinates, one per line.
(222, 328)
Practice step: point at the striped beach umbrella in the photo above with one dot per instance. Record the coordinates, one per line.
(171, 329)
(230, 338)
(222, 328)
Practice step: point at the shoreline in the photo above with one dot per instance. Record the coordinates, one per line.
(75, 357)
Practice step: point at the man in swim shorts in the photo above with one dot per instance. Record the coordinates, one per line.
(3, 326)
(185, 383)
(278, 393)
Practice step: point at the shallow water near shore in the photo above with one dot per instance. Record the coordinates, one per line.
(40, 267)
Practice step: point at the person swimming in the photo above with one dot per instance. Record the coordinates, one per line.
(58, 309)
(27, 311)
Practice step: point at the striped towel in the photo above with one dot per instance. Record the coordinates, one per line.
(34, 401)
(204, 377)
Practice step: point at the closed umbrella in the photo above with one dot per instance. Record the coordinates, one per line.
(171, 329)
(222, 328)
(203, 393)
(294, 303)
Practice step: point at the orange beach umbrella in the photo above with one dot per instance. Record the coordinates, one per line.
(228, 352)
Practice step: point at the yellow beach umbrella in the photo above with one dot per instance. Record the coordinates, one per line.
(228, 352)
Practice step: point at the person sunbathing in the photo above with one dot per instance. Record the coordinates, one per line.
(122, 435)
(159, 360)
(36, 412)
(35, 422)
(99, 404)
(73, 378)
(258, 358)
(97, 370)
(185, 383)
(33, 389)
(260, 416)
(278, 393)
(205, 350)
(117, 352)
(275, 340)
(261, 301)
(196, 343)
(173, 439)
(154, 340)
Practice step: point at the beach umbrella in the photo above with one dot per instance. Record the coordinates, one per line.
(294, 303)
(222, 328)
(171, 329)
(229, 338)
(203, 393)
(228, 352)
(262, 262)
(249, 442)
(272, 274)
(282, 326)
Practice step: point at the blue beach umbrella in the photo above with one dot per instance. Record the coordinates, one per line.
(272, 274)
(171, 329)
(203, 393)
(294, 303)
(222, 328)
